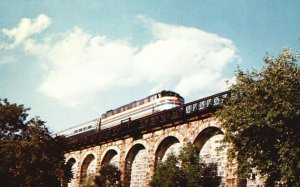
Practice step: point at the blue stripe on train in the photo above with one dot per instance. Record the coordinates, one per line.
(138, 112)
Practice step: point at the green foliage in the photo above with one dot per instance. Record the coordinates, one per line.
(262, 119)
(169, 174)
(186, 170)
(29, 156)
(12, 120)
(210, 175)
(191, 166)
(110, 176)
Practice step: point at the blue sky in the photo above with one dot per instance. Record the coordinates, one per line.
(70, 61)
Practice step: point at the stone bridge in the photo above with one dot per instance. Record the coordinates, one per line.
(137, 146)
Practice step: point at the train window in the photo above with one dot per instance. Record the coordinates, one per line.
(75, 131)
(80, 130)
(90, 126)
(84, 128)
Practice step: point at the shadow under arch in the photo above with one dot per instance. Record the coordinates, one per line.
(70, 165)
(71, 162)
(205, 135)
(84, 167)
(130, 157)
(163, 147)
(109, 155)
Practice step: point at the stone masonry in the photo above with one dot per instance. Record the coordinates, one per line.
(139, 156)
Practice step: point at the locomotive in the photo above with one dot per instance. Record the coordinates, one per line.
(157, 102)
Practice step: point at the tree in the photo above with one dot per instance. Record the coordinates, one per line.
(186, 170)
(191, 166)
(196, 171)
(29, 156)
(210, 175)
(110, 176)
(262, 118)
(169, 174)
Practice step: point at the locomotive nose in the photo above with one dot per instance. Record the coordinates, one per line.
(176, 101)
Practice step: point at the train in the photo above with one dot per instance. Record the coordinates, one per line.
(154, 103)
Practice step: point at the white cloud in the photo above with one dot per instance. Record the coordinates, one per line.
(82, 66)
(185, 59)
(25, 29)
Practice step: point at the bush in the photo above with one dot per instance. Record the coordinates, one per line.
(186, 170)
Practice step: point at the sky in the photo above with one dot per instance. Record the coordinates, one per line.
(71, 61)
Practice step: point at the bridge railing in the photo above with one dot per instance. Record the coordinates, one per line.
(137, 127)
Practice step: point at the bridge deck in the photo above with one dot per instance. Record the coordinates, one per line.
(192, 111)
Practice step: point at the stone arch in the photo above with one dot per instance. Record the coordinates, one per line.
(207, 142)
(164, 147)
(175, 134)
(141, 141)
(111, 155)
(70, 156)
(88, 168)
(205, 135)
(136, 166)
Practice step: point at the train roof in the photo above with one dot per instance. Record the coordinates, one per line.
(161, 92)
(77, 126)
